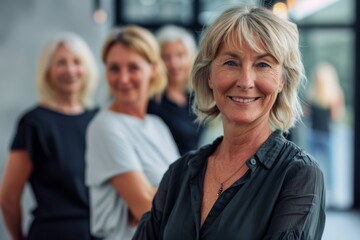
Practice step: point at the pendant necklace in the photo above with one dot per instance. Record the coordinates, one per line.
(221, 188)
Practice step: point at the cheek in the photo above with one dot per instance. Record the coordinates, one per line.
(222, 81)
(186, 63)
(110, 79)
(82, 71)
(168, 64)
(53, 73)
(270, 83)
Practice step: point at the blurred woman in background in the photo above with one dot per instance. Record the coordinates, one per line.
(178, 49)
(326, 104)
(48, 148)
(128, 150)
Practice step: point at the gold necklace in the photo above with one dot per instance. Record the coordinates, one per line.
(221, 188)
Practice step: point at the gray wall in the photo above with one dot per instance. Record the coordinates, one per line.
(25, 25)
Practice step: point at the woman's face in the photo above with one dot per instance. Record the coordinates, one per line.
(66, 72)
(245, 84)
(128, 74)
(178, 61)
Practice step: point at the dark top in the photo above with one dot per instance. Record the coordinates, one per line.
(56, 144)
(280, 197)
(180, 120)
(320, 118)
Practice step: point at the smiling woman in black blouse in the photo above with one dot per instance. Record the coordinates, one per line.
(251, 183)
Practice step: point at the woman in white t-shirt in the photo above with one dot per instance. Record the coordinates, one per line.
(127, 150)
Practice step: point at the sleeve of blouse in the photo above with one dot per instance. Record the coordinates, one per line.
(24, 137)
(299, 212)
(28, 137)
(109, 153)
(150, 226)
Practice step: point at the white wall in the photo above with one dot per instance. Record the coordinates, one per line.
(25, 25)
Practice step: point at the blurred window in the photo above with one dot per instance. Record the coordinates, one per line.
(336, 47)
(322, 11)
(158, 11)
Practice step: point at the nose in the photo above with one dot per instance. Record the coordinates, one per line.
(246, 78)
(71, 68)
(123, 77)
(171, 62)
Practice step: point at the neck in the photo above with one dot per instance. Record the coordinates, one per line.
(177, 95)
(129, 109)
(243, 143)
(65, 105)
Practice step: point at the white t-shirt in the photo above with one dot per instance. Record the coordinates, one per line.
(119, 143)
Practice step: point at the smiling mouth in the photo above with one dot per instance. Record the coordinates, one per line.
(243, 100)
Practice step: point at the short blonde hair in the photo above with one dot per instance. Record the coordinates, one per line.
(77, 46)
(248, 24)
(144, 43)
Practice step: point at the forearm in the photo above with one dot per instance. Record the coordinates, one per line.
(144, 204)
(13, 220)
(135, 189)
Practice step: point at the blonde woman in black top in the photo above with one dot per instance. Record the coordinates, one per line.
(178, 49)
(48, 149)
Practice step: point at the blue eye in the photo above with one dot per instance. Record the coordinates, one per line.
(263, 65)
(231, 63)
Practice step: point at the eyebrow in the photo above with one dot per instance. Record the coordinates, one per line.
(234, 55)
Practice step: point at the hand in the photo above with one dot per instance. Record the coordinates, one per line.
(133, 222)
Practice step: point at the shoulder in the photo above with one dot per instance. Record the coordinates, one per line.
(298, 155)
(107, 123)
(301, 163)
(281, 154)
(156, 120)
(103, 120)
(154, 106)
(33, 115)
(91, 112)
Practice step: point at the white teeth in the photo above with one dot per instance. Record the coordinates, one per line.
(243, 100)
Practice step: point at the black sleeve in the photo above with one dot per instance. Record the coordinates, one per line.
(299, 212)
(28, 137)
(151, 224)
(24, 136)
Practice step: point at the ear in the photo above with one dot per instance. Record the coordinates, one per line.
(210, 83)
(281, 85)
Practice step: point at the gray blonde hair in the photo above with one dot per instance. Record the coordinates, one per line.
(279, 36)
(173, 33)
(80, 49)
(144, 43)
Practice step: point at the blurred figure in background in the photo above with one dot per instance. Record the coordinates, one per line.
(326, 104)
(178, 49)
(48, 148)
(128, 150)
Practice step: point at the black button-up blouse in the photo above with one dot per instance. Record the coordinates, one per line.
(280, 197)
